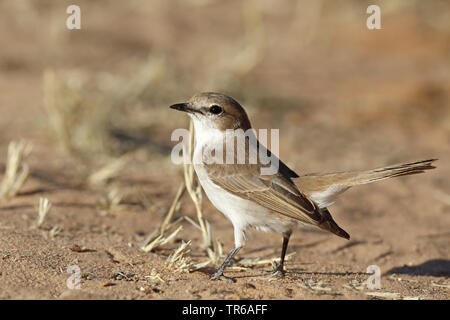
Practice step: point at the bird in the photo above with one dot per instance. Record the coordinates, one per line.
(276, 202)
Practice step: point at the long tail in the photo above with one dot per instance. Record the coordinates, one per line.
(324, 188)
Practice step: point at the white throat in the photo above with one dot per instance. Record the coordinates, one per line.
(206, 133)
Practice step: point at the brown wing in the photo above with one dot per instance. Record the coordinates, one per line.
(275, 192)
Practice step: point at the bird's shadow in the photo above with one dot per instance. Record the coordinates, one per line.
(290, 273)
(301, 272)
(434, 267)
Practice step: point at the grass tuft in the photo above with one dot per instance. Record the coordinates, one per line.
(180, 261)
(44, 209)
(17, 171)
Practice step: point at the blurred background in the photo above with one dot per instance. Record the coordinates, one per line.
(310, 68)
(344, 97)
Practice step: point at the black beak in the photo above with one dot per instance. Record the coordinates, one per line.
(180, 107)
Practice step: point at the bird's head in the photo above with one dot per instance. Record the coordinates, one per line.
(215, 110)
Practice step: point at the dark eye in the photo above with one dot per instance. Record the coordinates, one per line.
(215, 109)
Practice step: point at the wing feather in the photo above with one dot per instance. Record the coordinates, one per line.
(274, 192)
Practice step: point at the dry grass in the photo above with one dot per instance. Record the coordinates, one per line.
(83, 109)
(86, 110)
(163, 238)
(109, 171)
(180, 260)
(112, 198)
(165, 233)
(82, 116)
(44, 209)
(17, 171)
(257, 262)
(154, 277)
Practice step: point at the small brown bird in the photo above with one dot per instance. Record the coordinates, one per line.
(248, 196)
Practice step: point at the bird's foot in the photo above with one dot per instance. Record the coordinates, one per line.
(278, 272)
(220, 276)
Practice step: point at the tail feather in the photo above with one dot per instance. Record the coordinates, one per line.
(324, 188)
(393, 171)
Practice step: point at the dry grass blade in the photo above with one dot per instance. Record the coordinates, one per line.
(154, 277)
(115, 196)
(108, 172)
(412, 298)
(17, 170)
(112, 199)
(385, 295)
(443, 285)
(180, 261)
(158, 236)
(171, 236)
(54, 231)
(57, 118)
(44, 209)
(173, 208)
(195, 224)
(161, 240)
(219, 248)
(257, 262)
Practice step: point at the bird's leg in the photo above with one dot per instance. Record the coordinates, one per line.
(219, 273)
(279, 270)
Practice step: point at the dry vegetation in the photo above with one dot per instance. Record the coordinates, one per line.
(44, 209)
(93, 103)
(17, 170)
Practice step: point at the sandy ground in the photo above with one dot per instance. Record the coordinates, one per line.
(343, 98)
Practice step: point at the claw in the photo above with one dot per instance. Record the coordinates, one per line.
(220, 276)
